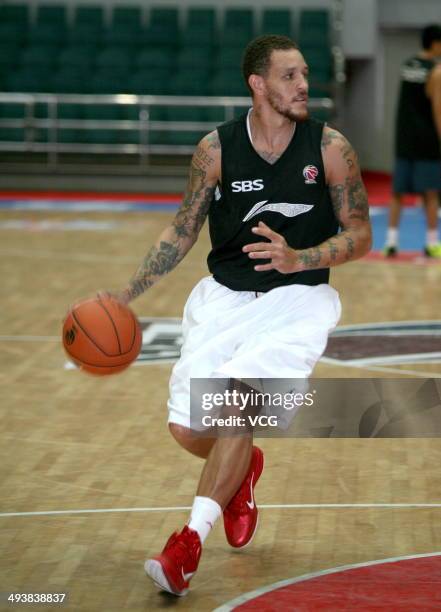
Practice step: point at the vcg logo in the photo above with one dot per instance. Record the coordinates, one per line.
(255, 185)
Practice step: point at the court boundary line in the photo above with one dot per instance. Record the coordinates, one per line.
(374, 368)
(250, 595)
(392, 506)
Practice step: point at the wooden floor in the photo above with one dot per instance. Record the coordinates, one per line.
(73, 442)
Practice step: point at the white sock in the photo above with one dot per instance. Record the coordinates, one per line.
(432, 237)
(392, 237)
(204, 514)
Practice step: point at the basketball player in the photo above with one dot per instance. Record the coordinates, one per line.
(275, 187)
(418, 140)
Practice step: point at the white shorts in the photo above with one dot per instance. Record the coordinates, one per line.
(238, 334)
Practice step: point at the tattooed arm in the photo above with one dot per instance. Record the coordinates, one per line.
(350, 204)
(177, 239)
(351, 209)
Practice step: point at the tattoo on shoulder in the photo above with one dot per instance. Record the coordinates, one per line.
(213, 140)
(330, 136)
(202, 158)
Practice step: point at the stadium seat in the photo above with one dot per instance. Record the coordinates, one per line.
(184, 113)
(235, 36)
(194, 57)
(38, 56)
(70, 111)
(191, 82)
(239, 21)
(201, 17)
(108, 82)
(161, 35)
(29, 80)
(68, 136)
(71, 79)
(215, 114)
(276, 21)
(229, 57)
(314, 29)
(47, 34)
(12, 110)
(105, 112)
(12, 134)
(9, 56)
(13, 33)
(200, 28)
(93, 15)
(90, 34)
(149, 82)
(52, 14)
(314, 17)
(165, 16)
(159, 59)
(114, 59)
(76, 56)
(229, 82)
(163, 28)
(124, 34)
(14, 13)
(127, 15)
(198, 35)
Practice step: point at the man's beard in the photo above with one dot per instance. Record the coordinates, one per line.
(274, 101)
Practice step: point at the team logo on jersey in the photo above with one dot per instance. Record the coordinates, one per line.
(310, 173)
(251, 185)
(284, 208)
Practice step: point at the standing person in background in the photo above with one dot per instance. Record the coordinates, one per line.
(418, 140)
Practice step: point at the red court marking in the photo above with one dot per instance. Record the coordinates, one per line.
(395, 585)
(379, 188)
(166, 198)
(414, 257)
(378, 185)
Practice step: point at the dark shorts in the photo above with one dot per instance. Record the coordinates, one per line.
(416, 175)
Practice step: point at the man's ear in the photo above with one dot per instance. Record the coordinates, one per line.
(257, 84)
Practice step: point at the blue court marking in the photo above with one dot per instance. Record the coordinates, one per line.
(412, 225)
(87, 205)
(412, 234)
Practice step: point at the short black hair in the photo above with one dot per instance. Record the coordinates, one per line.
(257, 55)
(430, 34)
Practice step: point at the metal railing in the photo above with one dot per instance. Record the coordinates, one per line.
(143, 125)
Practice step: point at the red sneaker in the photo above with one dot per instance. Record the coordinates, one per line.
(173, 569)
(241, 514)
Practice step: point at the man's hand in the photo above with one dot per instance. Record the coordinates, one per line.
(283, 258)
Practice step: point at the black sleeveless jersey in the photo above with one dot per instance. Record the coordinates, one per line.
(290, 196)
(416, 135)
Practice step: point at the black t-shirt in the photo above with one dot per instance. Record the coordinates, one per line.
(290, 196)
(415, 136)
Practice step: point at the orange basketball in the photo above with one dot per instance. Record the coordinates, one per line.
(101, 336)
